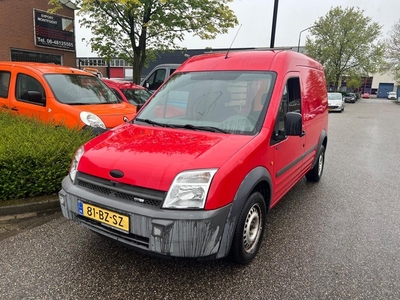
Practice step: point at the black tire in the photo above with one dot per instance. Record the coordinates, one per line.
(315, 174)
(249, 230)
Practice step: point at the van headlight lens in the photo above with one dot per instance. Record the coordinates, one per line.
(75, 162)
(92, 120)
(189, 189)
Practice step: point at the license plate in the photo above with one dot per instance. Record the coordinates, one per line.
(104, 216)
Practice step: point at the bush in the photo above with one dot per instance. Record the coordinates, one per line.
(34, 157)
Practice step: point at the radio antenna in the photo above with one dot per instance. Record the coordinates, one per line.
(226, 56)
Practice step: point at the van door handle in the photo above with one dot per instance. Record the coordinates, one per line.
(4, 106)
(14, 108)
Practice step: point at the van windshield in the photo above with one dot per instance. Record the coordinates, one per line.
(135, 96)
(224, 101)
(80, 89)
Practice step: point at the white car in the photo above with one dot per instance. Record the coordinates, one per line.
(392, 96)
(335, 102)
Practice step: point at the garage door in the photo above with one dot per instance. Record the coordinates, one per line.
(384, 88)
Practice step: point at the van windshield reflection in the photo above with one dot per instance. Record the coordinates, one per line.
(80, 89)
(221, 101)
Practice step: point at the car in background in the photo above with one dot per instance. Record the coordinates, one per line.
(61, 95)
(335, 102)
(128, 91)
(350, 98)
(365, 95)
(392, 96)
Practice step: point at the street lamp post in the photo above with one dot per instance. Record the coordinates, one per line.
(298, 45)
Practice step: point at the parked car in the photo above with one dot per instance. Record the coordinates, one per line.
(392, 96)
(350, 98)
(199, 184)
(365, 95)
(335, 102)
(128, 91)
(61, 95)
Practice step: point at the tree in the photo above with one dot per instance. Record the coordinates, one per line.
(135, 30)
(346, 43)
(392, 55)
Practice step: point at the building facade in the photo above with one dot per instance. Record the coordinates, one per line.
(29, 33)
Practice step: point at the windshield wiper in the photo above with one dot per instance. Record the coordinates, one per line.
(148, 121)
(205, 128)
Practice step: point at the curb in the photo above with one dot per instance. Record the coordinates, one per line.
(29, 210)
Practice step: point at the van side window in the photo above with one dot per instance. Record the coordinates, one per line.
(156, 79)
(290, 102)
(4, 83)
(25, 84)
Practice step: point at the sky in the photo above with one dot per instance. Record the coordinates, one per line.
(255, 17)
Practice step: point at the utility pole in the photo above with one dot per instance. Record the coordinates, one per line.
(274, 24)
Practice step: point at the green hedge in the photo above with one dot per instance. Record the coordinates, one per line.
(34, 157)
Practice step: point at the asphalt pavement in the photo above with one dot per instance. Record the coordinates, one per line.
(338, 239)
(16, 218)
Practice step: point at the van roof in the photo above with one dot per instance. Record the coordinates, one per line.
(252, 60)
(43, 67)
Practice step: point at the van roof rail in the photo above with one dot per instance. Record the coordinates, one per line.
(249, 49)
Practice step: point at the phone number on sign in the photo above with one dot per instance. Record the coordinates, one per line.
(55, 42)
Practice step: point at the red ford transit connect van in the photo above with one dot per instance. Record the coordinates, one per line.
(62, 95)
(199, 182)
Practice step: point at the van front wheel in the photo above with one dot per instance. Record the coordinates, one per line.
(250, 230)
(315, 173)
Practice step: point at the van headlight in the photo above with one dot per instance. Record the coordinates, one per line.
(91, 119)
(189, 189)
(75, 162)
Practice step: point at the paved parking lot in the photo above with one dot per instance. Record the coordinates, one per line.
(338, 239)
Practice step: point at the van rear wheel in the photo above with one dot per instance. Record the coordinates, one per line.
(249, 230)
(315, 174)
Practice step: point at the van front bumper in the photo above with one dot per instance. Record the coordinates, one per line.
(162, 232)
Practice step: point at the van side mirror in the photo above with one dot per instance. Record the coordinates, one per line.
(294, 124)
(146, 84)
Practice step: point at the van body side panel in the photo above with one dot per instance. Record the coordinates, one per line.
(287, 154)
(25, 108)
(315, 104)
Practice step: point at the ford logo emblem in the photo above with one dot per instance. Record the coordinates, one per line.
(116, 173)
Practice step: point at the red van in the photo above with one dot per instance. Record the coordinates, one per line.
(198, 183)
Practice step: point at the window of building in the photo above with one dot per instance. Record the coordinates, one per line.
(21, 55)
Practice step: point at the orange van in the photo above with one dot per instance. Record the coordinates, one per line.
(61, 95)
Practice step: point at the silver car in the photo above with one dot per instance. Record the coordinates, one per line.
(335, 102)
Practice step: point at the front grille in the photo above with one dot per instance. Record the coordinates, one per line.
(130, 238)
(120, 190)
